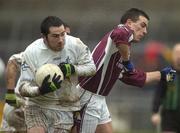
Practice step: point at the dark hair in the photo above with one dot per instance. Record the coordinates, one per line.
(48, 22)
(133, 14)
(66, 25)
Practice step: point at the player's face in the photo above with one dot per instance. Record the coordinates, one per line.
(139, 27)
(56, 38)
(176, 57)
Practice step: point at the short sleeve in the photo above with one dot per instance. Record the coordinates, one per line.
(121, 35)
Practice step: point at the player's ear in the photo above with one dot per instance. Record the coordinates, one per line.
(44, 37)
(129, 22)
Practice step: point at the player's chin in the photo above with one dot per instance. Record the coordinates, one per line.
(58, 48)
(136, 40)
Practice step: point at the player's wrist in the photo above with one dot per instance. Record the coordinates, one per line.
(29, 91)
(67, 69)
(10, 97)
(11, 91)
(128, 66)
(125, 62)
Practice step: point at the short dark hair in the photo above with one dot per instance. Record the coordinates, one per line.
(49, 22)
(66, 25)
(133, 14)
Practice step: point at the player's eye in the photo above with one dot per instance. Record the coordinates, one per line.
(55, 35)
(143, 25)
(62, 34)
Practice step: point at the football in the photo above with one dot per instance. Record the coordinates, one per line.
(47, 69)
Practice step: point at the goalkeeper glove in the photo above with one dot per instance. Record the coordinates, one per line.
(10, 98)
(47, 86)
(128, 66)
(67, 69)
(168, 74)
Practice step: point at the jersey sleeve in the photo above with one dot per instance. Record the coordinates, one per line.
(26, 85)
(120, 36)
(135, 78)
(85, 64)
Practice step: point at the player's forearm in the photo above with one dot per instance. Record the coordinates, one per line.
(152, 77)
(11, 74)
(85, 65)
(88, 69)
(26, 89)
(124, 51)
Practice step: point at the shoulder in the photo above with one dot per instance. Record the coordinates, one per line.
(122, 30)
(35, 46)
(16, 57)
(72, 41)
(121, 34)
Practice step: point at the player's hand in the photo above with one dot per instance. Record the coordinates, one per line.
(47, 86)
(128, 66)
(156, 119)
(168, 74)
(67, 69)
(10, 98)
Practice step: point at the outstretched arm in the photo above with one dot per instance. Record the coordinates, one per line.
(152, 77)
(140, 78)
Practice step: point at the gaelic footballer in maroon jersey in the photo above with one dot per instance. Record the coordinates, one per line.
(112, 59)
(109, 63)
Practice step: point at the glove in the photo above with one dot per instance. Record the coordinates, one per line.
(168, 74)
(128, 66)
(67, 69)
(10, 98)
(47, 87)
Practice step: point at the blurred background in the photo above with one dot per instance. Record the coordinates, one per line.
(90, 20)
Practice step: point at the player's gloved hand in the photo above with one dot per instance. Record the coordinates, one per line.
(10, 98)
(168, 74)
(67, 69)
(128, 66)
(47, 86)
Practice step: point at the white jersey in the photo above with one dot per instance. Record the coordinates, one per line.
(75, 52)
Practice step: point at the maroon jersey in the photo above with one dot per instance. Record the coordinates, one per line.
(109, 63)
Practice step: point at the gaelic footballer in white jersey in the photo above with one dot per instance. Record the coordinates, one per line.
(36, 54)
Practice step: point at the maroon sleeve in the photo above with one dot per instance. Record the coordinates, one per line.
(135, 78)
(120, 36)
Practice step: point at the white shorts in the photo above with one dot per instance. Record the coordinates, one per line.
(4, 125)
(13, 119)
(53, 121)
(94, 112)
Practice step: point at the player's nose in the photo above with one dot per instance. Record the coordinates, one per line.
(145, 31)
(61, 39)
